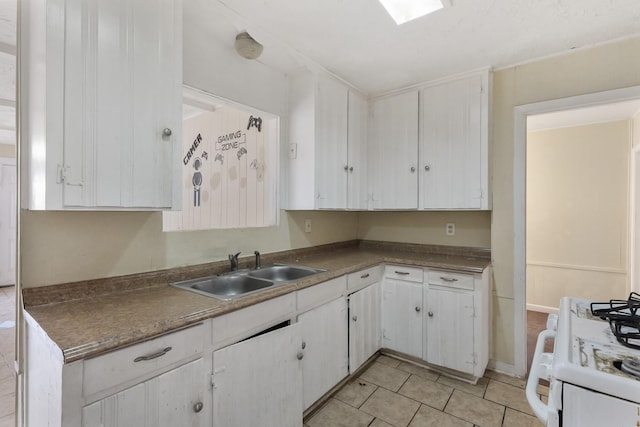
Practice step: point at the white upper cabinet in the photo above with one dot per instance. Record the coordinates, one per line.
(393, 155)
(327, 142)
(102, 98)
(453, 144)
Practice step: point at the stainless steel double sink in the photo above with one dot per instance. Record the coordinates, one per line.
(240, 283)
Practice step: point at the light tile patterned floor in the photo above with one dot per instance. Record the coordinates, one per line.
(7, 372)
(395, 393)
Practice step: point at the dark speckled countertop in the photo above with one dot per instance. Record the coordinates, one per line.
(89, 318)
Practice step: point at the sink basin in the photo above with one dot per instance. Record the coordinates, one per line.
(284, 273)
(241, 283)
(225, 287)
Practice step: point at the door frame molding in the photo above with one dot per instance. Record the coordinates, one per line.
(520, 114)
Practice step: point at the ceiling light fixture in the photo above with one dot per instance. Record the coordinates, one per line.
(406, 10)
(247, 46)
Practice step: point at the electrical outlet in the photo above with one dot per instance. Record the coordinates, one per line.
(307, 226)
(450, 229)
(293, 151)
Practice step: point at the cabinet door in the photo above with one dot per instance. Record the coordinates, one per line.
(449, 339)
(123, 77)
(393, 159)
(364, 325)
(402, 316)
(175, 398)
(258, 382)
(324, 338)
(357, 152)
(451, 148)
(331, 144)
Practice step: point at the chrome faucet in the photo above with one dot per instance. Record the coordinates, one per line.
(258, 266)
(233, 259)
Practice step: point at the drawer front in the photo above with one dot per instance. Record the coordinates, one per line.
(362, 278)
(117, 367)
(243, 323)
(451, 280)
(315, 295)
(399, 272)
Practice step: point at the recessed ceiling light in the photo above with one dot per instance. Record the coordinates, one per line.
(406, 10)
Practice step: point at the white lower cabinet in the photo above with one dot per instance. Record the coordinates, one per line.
(258, 382)
(324, 339)
(456, 323)
(402, 316)
(364, 325)
(175, 398)
(449, 329)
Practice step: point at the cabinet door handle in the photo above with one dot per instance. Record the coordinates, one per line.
(351, 169)
(355, 318)
(417, 309)
(402, 273)
(413, 169)
(346, 168)
(427, 167)
(430, 314)
(167, 132)
(364, 276)
(300, 355)
(304, 345)
(153, 355)
(449, 279)
(198, 407)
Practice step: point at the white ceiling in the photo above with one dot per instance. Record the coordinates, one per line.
(357, 41)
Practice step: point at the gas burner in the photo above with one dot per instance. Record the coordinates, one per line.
(631, 367)
(623, 317)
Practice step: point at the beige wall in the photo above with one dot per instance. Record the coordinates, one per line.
(7, 150)
(59, 247)
(601, 68)
(577, 213)
(472, 228)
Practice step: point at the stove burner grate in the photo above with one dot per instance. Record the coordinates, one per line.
(631, 367)
(623, 317)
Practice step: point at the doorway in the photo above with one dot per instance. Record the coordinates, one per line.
(521, 113)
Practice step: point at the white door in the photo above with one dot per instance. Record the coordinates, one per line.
(450, 147)
(331, 144)
(175, 398)
(357, 152)
(324, 338)
(393, 153)
(449, 320)
(402, 316)
(8, 212)
(364, 325)
(258, 382)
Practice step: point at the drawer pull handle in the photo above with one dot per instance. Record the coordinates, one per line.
(448, 279)
(300, 355)
(152, 356)
(198, 407)
(304, 345)
(364, 276)
(402, 273)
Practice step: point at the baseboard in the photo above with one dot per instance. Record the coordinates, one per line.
(542, 309)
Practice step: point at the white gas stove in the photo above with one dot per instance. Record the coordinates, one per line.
(593, 376)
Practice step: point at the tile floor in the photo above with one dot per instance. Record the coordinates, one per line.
(7, 372)
(396, 393)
